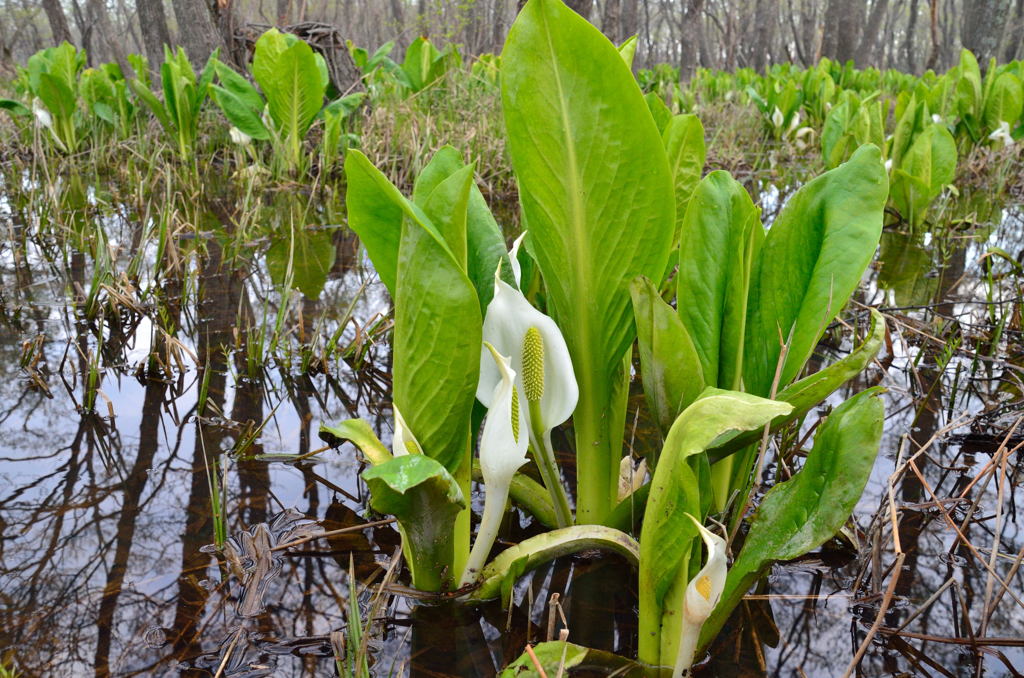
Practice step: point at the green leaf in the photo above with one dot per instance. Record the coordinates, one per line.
(438, 318)
(361, 435)
(596, 193)
(58, 98)
(1004, 102)
(720, 240)
(811, 261)
(242, 89)
(446, 206)
(659, 111)
(14, 108)
(669, 364)
(627, 51)
(808, 392)
(239, 114)
(800, 514)
(500, 574)
(667, 536)
(291, 82)
(152, 103)
(555, 655)
(425, 499)
(684, 144)
(925, 169)
(375, 212)
(484, 240)
(307, 255)
(438, 334)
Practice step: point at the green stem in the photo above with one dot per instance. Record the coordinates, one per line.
(596, 474)
(461, 537)
(544, 455)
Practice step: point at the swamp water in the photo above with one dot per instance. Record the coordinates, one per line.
(161, 393)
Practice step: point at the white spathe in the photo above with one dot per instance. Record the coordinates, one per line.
(509, 317)
(503, 446)
(702, 595)
(502, 449)
(1002, 133)
(403, 441)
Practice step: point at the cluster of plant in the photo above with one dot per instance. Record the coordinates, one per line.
(72, 104)
(921, 124)
(493, 350)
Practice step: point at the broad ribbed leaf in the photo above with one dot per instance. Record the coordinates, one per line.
(237, 84)
(811, 261)
(721, 236)
(437, 314)
(291, 82)
(684, 143)
(808, 392)
(799, 514)
(239, 113)
(926, 168)
(669, 363)
(1004, 101)
(596, 193)
(484, 241)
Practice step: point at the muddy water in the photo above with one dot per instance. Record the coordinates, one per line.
(150, 400)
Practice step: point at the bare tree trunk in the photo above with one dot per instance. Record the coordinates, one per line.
(199, 32)
(843, 22)
(155, 34)
(1015, 34)
(690, 38)
(983, 26)
(283, 12)
(765, 13)
(908, 44)
(611, 21)
(58, 22)
(581, 7)
(933, 32)
(869, 40)
(630, 18)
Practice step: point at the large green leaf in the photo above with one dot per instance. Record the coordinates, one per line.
(1004, 102)
(15, 108)
(438, 334)
(811, 261)
(437, 314)
(810, 391)
(721, 237)
(239, 113)
(499, 575)
(684, 144)
(926, 168)
(375, 212)
(799, 514)
(291, 82)
(425, 499)
(447, 206)
(597, 196)
(667, 536)
(484, 241)
(669, 364)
